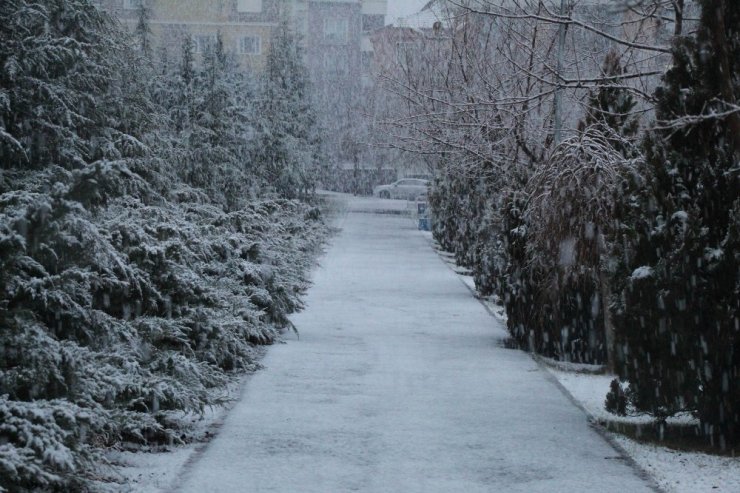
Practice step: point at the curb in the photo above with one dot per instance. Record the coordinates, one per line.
(642, 473)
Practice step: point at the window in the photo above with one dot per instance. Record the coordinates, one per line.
(367, 60)
(372, 22)
(250, 45)
(405, 48)
(250, 6)
(132, 4)
(335, 30)
(406, 53)
(336, 64)
(203, 43)
(301, 19)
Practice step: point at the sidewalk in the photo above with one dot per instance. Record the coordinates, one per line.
(399, 384)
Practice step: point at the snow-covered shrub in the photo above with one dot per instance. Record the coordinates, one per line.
(616, 398)
(43, 444)
(286, 135)
(140, 261)
(679, 310)
(569, 217)
(54, 64)
(141, 311)
(561, 233)
(466, 209)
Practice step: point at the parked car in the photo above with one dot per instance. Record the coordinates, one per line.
(406, 188)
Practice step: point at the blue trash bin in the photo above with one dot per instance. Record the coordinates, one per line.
(422, 212)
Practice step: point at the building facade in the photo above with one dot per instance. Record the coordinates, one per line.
(245, 25)
(334, 33)
(335, 36)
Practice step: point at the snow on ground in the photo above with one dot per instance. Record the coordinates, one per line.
(154, 472)
(399, 382)
(684, 472)
(494, 308)
(320, 408)
(590, 392)
(674, 471)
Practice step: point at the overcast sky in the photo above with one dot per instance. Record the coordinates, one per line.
(402, 8)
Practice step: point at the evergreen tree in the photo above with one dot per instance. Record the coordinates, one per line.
(143, 31)
(560, 291)
(289, 146)
(54, 62)
(678, 322)
(187, 65)
(120, 310)
(569, 220)
(211, 106)
(611, 107)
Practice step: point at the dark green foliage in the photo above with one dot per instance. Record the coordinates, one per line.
(612, 106)
(143, 31)
(141, 261)
(53, 66)
(515, 235)
(212, 110)
(519, 295)
(288, 140)
(44, 442)
(453, 199)
(616, 399)
(573, 196)
(137, 313)
(678, 322)
(563, 268)
(466, 222)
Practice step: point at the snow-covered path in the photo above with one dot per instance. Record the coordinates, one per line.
(399, 384)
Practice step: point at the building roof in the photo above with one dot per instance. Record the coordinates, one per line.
(435, 12)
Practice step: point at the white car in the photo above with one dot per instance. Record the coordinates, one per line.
(407, 188)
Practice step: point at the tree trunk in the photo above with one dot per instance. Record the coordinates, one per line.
(606, 293)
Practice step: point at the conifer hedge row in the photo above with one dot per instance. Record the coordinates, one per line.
(621, 246)
(149, 239)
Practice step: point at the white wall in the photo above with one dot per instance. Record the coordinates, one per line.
(375, 7)
(249, 6)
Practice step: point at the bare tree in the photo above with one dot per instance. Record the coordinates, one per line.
(573, 198)
(500, 63)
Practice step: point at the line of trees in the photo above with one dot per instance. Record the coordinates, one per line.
(148, 237)
(586, 165)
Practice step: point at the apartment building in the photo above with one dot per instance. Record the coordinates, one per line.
(334, 33)
(336, 37)
(245, 25)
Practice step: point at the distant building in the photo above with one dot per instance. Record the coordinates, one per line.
(398, 45)
(336, 37)
(334, 33)
(339, 57)
(245, 25)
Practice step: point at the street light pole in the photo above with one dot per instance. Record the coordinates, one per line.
(558, 133)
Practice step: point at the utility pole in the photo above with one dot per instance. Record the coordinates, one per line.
(558, 134)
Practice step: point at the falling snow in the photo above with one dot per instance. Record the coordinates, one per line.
(171, 172)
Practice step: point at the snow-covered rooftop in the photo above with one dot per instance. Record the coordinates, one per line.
(433, 12)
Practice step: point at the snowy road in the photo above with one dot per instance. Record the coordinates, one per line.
(398, 384)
